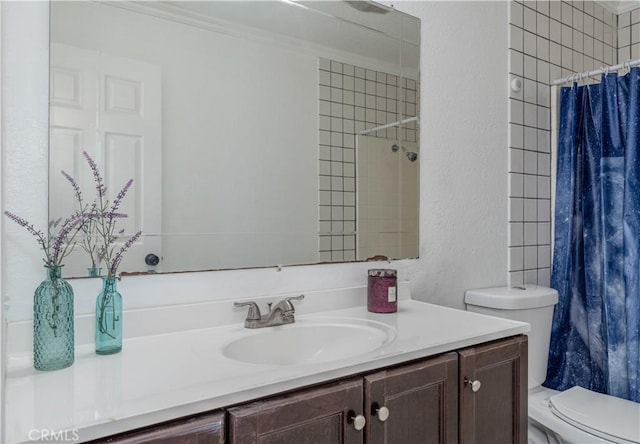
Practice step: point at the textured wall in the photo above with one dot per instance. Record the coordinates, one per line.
(463, 135)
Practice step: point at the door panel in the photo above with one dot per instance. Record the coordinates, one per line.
(72, 129)
(422, 400)
(313, 416)
(497, 412)
(130, 123)
(387, 195)
(202, 429)
(110, 107)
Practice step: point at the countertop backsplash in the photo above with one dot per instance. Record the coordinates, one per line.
(179, 317)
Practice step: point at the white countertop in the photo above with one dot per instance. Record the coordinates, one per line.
(164, 376)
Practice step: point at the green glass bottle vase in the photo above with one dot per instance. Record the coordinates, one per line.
(109, 318)
(53, 342)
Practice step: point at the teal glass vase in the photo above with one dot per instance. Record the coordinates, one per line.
(53, 342)
(109, 318)
(94, 271)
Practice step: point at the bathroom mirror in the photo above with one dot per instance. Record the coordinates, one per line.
(257, 133)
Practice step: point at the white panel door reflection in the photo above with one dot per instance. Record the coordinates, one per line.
(111, 107)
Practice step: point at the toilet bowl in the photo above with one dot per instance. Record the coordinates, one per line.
(576, 415)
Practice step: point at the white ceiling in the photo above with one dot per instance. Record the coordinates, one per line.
(388, 37)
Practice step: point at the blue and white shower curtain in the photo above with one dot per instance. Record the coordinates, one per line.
(596, 261)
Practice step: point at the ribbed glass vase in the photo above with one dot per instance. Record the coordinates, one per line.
(109, 318)
(53, 342)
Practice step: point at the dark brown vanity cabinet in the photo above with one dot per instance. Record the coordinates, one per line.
(495, 410)
(477, 395)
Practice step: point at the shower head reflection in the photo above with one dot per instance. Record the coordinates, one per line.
(411, 155)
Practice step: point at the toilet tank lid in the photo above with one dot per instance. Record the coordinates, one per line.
(512, 298)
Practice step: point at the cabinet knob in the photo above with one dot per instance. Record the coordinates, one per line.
(475, 385)
(381, 412)
(358, 421)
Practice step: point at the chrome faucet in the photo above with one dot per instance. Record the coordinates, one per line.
(282, 313)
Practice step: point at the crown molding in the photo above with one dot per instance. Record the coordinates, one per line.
(619, 6)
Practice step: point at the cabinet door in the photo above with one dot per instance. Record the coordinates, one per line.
(422, 403)
(497, 411)
(202, 429)
(313, 416)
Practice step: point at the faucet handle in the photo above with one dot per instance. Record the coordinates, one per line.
(295, 298)
(254, 311)
(292, 298)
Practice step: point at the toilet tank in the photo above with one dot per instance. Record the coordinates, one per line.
(532, 304)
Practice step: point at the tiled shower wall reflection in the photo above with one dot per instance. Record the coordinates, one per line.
(353, 99)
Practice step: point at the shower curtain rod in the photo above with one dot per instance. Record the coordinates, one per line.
(389, 125)
(585, 75)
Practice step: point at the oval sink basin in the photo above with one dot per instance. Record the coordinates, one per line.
(309, 341)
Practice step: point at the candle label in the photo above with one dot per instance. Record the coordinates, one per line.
(391, 294)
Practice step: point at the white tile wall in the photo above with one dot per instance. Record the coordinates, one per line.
(629, 36)
(549, 40)
(353, 99)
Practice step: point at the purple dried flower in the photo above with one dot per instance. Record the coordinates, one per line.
(57, 247)
(110, 215)
(96, 220)
(113, 268)
(102, 215)
(54, 223)
(93, 212)
(76, 187)
(100, 187)
(42, 240)
(121, 195)
(102, 253)
(61, 240)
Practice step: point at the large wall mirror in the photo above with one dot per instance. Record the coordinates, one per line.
(256, 133)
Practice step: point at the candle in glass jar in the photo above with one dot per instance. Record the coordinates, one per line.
(382, 291)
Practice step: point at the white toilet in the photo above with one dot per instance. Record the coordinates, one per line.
(576, 415)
